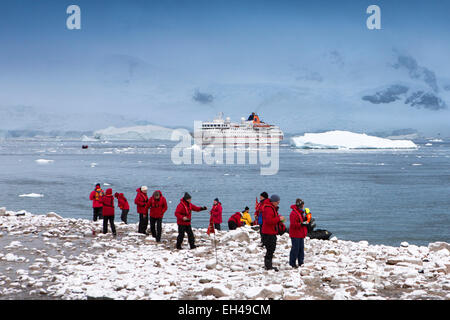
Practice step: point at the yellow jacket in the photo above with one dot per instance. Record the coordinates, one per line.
(246, 218)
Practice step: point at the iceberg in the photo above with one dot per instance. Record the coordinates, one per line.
(147, 132)
(31, 195)
(85, 138)
(44, 161)
(347, 140)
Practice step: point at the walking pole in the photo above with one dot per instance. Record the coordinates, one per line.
(215, 247)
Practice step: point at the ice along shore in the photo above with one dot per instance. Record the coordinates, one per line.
(50, 257)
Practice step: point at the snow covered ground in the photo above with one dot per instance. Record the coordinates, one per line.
(48, 257)
(347, 140)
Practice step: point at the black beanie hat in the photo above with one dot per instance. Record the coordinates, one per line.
(97, 185)
(187, 196)
(246, 209)
(265, 195)
(216, 199)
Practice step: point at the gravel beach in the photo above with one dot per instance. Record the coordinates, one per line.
(50, 257)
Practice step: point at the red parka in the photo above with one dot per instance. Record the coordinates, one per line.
(108, 204)
(157, 207)
(122, 201)
(270, 217)
(184, 209)
(141, 202)
(296, 228)
(96, 198)
(236, 218)
(216, 213)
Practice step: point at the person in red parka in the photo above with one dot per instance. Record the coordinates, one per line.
(183, 212)
(258, 211)
(216, 213)
(158, 205)
(235, 221)
(123, 205)
(96, 198)
(269, 229)
(141, 202)
(297, 232)
(108, 211)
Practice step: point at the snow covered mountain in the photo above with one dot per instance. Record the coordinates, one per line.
(334, 90)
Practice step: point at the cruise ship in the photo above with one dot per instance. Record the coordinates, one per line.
(248, 132)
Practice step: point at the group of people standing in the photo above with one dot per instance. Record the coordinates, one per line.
(152, 208)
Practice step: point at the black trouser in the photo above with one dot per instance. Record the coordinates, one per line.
(124, 215)
(232, 225)
(180, 238)
(270, 242)
(143, 223)
(105, 224)
(260, 232)
(217, 226)
(98, 213)
(156, 232)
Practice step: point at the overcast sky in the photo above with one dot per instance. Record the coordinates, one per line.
(140, 58)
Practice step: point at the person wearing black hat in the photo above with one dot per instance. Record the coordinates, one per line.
(246, 219)
(258, 211)
(183, 212)
(269, 230)
(96, 198)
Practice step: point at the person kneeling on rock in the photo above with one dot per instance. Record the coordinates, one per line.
(235, 221)
(108, 211)
(183, 212)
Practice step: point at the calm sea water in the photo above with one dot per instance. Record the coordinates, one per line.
(381, 196)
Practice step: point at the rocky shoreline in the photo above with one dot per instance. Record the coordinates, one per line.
(50, 257)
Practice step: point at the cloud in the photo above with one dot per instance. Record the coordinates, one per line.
(390, 94)
(427, 100)
(204, 98)
(416, 71)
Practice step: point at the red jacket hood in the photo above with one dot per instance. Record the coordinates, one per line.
(294, 207)
(108, 191)
(160, 194)
(268, 203)
(138, 190)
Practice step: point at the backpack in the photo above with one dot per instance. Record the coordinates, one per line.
(98, 194)
(281, 228)
(311, 225)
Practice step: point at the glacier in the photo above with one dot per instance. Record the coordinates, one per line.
(347, 140)
(147, 132)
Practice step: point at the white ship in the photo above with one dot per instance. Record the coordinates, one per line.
(248, 132)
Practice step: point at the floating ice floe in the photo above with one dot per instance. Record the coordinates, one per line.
(44, 161)
(31, 195)
(347, 140)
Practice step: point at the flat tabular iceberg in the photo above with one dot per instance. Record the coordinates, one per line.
(44, 161)
(347, 140)
(31, 195)
(148, 132)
